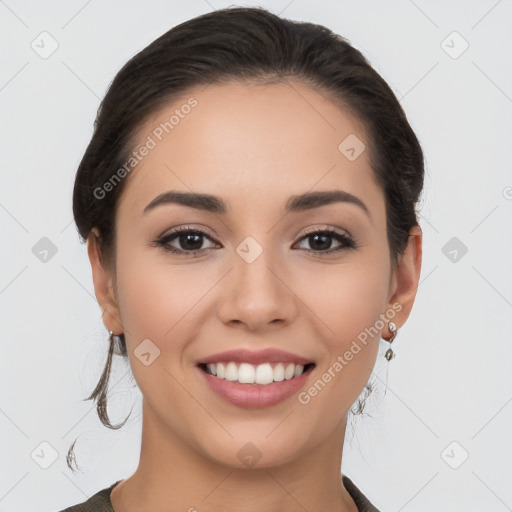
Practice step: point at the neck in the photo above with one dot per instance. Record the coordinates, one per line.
(173, 473)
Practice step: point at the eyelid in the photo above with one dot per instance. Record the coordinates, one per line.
(188, 227)
(326, 227)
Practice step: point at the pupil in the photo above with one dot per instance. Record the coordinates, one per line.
(190, 247)
(324, 245)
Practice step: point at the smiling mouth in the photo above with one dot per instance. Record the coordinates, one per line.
(262, 374)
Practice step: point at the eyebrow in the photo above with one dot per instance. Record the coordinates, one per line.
(297, 203)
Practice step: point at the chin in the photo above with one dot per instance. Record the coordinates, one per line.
(254, 451)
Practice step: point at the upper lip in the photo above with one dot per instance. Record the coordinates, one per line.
(268, 355)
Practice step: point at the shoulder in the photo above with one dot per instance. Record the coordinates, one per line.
(362, 502)
(99, 502)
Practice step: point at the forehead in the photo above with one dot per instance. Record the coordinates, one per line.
(255, 141)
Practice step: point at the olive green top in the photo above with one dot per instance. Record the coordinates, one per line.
(100, 502)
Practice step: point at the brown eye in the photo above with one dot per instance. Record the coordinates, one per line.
(186, 241)
(321, 240)
(190, 241)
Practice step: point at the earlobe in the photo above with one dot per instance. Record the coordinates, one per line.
(407, 275)
(103, 284)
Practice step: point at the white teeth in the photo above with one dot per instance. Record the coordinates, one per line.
(289, 371)
(262, 374)
(231, 372)
(279, 372)
(246, 373)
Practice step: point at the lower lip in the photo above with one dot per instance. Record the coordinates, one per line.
(255, 395)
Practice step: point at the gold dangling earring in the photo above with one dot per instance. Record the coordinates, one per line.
(389, 353)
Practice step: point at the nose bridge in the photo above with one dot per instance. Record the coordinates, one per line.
(253, 264)
(258, 294)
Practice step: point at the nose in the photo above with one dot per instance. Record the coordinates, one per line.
(257, 295)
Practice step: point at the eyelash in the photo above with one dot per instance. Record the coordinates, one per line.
(347, 241)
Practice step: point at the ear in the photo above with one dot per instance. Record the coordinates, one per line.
(103, 285)
(406, 276)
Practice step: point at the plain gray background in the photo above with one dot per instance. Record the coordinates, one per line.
(439, 439)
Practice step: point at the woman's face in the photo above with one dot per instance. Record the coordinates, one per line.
(257, 279)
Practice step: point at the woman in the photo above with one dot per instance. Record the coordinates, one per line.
(248, 199)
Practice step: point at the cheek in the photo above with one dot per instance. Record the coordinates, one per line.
(154, 294)
(159, 300)
(156, 301)
(347, 298)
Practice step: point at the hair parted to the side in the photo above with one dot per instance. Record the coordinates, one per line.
(248, 45)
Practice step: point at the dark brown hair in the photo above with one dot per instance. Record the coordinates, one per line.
(244, 45)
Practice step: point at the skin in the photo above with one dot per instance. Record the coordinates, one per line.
(289, 298)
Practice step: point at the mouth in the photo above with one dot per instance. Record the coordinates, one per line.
(255, 379)
(255, 386)
(263, 374)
